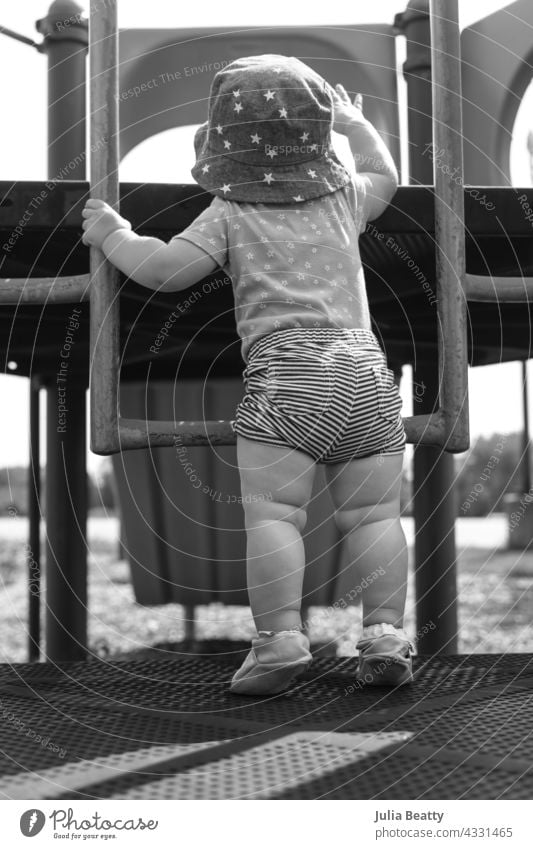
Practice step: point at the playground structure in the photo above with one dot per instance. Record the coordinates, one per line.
(47, 265)
(478, 316)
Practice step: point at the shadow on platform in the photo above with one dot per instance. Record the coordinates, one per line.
(169, 729)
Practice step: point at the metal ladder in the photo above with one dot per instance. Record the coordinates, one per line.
(112, 433)
(448, 426)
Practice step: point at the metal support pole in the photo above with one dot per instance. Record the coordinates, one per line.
(414, 25)
(435, 511)
(450, 222)
(66, 47)
(105, 313)
(66, 475)
(34, 536)
(66, 528)
(433, 474)
(526, 468)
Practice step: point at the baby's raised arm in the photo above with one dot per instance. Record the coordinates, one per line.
(373, 161)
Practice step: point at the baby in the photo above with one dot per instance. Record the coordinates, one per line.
(284, 224)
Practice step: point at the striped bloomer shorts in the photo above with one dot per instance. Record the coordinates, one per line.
(326, 391)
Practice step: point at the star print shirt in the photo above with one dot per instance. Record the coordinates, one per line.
(291, 265)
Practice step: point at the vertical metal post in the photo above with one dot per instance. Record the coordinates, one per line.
(526, 468)
(66, 529)
(66, 474)
(105, 312)
(414, 24)
(34, 537)
(65, 43)
(435, 511)
(450, 219)
(434, 473)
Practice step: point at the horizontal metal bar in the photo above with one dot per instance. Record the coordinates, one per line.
(504, 289)
(24, 39)
(139, 433)
(40, 290)
(428, 429)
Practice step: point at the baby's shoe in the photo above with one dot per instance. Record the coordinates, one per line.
(384, 656)
(275, 660)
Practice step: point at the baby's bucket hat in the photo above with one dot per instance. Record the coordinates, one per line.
(268, 134)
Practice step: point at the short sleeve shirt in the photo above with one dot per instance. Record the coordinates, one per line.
(291, 265)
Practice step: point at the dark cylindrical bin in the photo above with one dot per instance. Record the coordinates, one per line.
(182, 519)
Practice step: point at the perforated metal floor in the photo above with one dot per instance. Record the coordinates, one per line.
(169, 729)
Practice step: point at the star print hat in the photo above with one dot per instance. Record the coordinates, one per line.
(268, 134)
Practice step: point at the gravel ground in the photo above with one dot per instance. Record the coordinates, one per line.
(496, 600)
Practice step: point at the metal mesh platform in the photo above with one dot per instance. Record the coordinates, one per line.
(167, 729)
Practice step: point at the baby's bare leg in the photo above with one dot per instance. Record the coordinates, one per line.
(276, 485)
(366, 496)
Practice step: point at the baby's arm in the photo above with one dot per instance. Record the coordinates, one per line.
(155, 264)
(373, 160)
(149, 261)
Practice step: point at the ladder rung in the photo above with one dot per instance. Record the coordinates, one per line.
(501, 289)
(40, 290)
(139, 433)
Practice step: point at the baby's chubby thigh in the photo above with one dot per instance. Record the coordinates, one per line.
(282, 421)
(276, 482)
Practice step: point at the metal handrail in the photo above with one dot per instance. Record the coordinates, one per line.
(52, 290)
(498, 289)
(138, 433)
